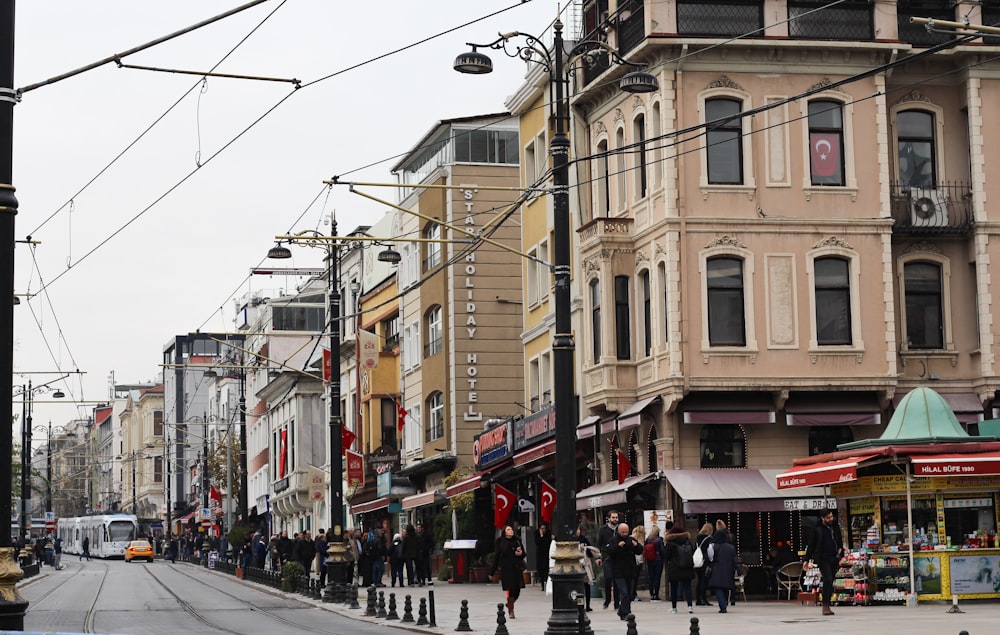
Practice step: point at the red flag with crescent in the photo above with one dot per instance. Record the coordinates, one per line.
(346, 439)
(283, 457)
(503, 503)
(824, 153)
(548, 501)
(400, 416)
(624, 467)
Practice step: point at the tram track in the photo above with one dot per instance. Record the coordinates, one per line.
(197, 615)
(38, 603)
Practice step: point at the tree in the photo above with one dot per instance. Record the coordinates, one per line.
(223, 470)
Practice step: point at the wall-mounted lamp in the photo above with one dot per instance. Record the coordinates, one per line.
(389, 255)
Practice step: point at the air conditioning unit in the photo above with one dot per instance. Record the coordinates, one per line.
(928, 208)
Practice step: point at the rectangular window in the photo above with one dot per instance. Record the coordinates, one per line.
(720, 17)
(826, 142)
(487, 146)
(298, 318)
(924, 322)
(647, 317)
(724, 141)
(639, 141)
(534, 384)
(434, 332)
(595, 319)
(390, 420)
(432, 249)
(158, 469)
(542, 282)
(602, 179)
(158, 423)
(390, 333)
(531, 277)
(623, 319)
(435, 410)
(545, 379)
(833, 301)
(726, 320)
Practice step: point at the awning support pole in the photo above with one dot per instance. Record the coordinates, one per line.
(909, 522)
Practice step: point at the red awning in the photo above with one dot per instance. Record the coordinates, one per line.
(364, 508)
(821, 473)
(472, 482)
(419, 500)
(984, 464)
(533, 454)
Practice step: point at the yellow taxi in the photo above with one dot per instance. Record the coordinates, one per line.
(139, 549)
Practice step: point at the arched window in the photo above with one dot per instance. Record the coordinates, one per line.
(726, 308)
(917, 154)
(833, 301)
(924, 310)
(724, 143)
(723, 445)
(651, 461)
(632, 454)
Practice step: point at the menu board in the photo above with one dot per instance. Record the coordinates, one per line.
(973, 574)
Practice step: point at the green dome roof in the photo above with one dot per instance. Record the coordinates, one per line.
(923, 415)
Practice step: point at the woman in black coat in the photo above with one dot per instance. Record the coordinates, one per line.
(678, 553)
(509, 559)
(411, 551)
(722, 556)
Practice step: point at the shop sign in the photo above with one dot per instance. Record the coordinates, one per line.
(896, 484)
(281, 485)
(383, 460)
(862, 506)
(807, 504)
(355, 469)
(383, 484)
(534, 428)
(492, 446)
(961, 503)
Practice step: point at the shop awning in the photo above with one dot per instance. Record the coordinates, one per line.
(735, 490)
(475, 481)
(823, 473)
(587, 427)
(714, 407)
(833, 409)
(424, 498)
(610, 492)
(371, 506)
(533, 454)
(633, 414)
(983, 464)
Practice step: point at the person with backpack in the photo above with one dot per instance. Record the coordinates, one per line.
(652, 553)
(396, 559)
(679, 557)
(702, 540)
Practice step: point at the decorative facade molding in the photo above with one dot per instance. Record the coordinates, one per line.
(724, 82)
(640, 256)
(725, 241)
(915, 95)
(619, 116)
(833, 241)
(923, 246)
(591, 266)
(600, 128)
(636, 102)
(658, 250)
(824, 84)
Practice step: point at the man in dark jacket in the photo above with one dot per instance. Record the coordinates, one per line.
(426, 541)
(543, 540)
(623, 549)
(604, 537)
(284, 547)
(826, 546)
(307, 552)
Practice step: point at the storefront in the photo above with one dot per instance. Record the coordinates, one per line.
(922, 502)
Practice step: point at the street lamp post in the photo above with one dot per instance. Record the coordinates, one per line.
(568, 575)
(336, 590)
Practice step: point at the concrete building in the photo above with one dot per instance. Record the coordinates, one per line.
(141, 454)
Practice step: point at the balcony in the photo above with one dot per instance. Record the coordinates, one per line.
(726, 18)
(391, 343)
(917, 34)
(605, 231)
(944, 210)
(853, 20)
(631, 25)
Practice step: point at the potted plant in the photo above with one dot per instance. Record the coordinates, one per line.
(444, 573)
(480, 571)
(290, 572)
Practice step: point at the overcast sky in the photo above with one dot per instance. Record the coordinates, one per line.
(155, 246)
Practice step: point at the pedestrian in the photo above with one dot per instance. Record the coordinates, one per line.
(605, 535)
(825, 548)
(543, 540)
(589, 557)
(284, 547)
(679, 558)
(723, 559)
(259, 551)
(352, 553)
(426, 541)
(622, 550)
(307, 552)
(639, 533)
(57, 553)
(172, 547)
(396, 559)
(411, 551)
(322, 547)
(379, 554)
(652, 553)
(508, 557)
(86, 548)
(702, 540)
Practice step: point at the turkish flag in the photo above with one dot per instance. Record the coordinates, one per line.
(624, 467)
(347, 438)
(283, 457)
(824, 153)
(327, 364)
(503, 503)
(548, 499)
(214, 494)
(401, 416)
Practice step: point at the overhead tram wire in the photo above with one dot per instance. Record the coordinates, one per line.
(251, 126)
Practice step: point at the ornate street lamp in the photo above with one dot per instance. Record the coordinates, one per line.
(568, 575)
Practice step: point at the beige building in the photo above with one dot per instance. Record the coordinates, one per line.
(779, 243)
(139, 459)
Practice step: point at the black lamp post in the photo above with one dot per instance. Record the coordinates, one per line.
(568, 575)
(336, 590)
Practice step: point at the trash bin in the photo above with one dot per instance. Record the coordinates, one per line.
(49, 555)
(213, 557)
(460, 553)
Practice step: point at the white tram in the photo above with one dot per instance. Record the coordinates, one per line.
(109, 534)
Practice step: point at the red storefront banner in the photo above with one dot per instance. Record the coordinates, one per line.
(355, 469)
(821, 473)
(983, 464)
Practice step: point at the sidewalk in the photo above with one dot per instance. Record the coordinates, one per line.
(756, 617)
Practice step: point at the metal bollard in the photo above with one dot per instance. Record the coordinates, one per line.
(407, 609)
(392, 614)
(370, 607)
(463, 617)
(430, 604)
(381, 605)
(695, 630)
(422, 613)
(630, 622)
(352, 591)
(501, 621)
(583, 624)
